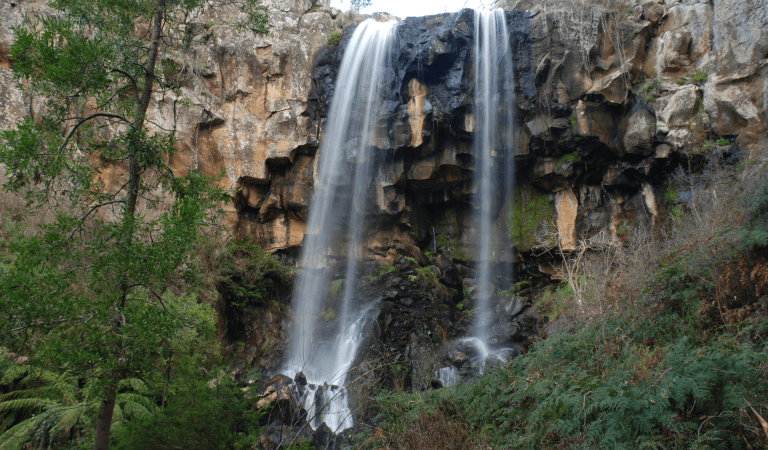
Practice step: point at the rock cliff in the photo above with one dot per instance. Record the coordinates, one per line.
(608, 102)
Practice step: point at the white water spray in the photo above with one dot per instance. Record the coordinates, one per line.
(336, 220)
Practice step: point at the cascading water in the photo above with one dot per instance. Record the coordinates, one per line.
(494, 156)
(494, 92)
(336, 221)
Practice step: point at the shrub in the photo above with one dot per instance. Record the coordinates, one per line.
(336, 286)
(699, 77)
(248, 274)
(650, 86)
(201, 413)
(334, 38)
(723, 141)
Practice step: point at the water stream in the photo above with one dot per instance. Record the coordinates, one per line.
(494, 160)
(494, 187)
(337, 225)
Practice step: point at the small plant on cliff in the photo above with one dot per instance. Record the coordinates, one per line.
(681, 81)
(336, 286)
(248, 274)
(385, 269)
(723, 141)
(698, 77)
(650, 86)
(334, 38)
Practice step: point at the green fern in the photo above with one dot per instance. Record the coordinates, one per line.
(43, 406)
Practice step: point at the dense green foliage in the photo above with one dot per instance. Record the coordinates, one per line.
(89, 295)
(58, 408)
(248, 274)
(212, 414)
(598, 387)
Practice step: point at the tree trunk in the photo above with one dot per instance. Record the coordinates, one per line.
(134, 170)
(104, 422)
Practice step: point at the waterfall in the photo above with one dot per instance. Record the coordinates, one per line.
(323, 348)
(494, 160)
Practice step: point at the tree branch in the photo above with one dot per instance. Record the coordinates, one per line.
(86, 119)
(94, 208)
(133, 82)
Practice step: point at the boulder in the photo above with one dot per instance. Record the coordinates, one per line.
(730, 107)
(638, 138)
(681, 107)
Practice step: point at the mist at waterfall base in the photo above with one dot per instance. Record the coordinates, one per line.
(323, 350)
(494, 186)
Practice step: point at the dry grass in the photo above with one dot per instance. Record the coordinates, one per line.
(607, 276)
(441, 429)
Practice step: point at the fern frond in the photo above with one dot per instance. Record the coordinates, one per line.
(134, 383)
(69, 418)
(16, 437)
(133, 409)
(129, 397)
(22, 404)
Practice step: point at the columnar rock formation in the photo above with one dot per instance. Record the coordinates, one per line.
(595, 138)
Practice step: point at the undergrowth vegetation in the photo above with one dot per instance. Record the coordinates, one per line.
(248, 274)
(188, 400)
(665, 350)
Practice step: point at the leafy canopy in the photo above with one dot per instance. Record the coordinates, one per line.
(87, 294)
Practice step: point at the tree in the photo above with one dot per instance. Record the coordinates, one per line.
(357, 5)
(86, 295)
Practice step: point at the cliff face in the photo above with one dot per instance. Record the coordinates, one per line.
(241, 99)
(606, 104)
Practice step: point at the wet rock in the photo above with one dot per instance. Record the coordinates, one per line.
(510, 307)
(442, 262)
(281, 393)
(452, 276)
(415, 252)
(324, 437)
(471, 347)
(390, 294)
(458, 359)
